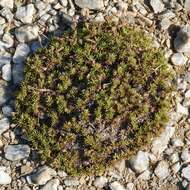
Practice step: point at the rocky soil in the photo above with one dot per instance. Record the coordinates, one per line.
(26, 25)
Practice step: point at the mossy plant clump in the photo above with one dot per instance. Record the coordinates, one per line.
(94, 96)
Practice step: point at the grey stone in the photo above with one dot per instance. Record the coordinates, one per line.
(61, 173)
(7, 3)
(140, 162)
(174, 157)
(182, 41)
(16, 152)
(184, 183)
(6, 72)
(140, 8)
(169, 151)
(160, 144)
(8, 39)
(100, 182)
(7, 111)
(21, 53)
(5, 178)
(4, 125)
(27, 33)
(41, 176)
(130, 186)
(185, 155)
(5, 58)
(99, 18)
(186, 172)
(176, 142)
(162, 170)
(64, 3)
(90, 4)
(167, 14)
(116, 186)
(178, 59)
(25, 13)
(157, 6)
(42, 12)
(51, 185)
(6, 13)
(2, 28)
(145, 175)
(71, 182)
(41, 5)
(165, 23)
(44, 19)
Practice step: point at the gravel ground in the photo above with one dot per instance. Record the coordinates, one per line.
(27, 25)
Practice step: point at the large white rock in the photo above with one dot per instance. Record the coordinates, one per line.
(90, 4)
(160, 144)
(7, 3)
(25, 13)
(16, 152)
(182, 41)
(27, 33)
(41, 176)
(4, 125)
(4, 176)
(140, 162)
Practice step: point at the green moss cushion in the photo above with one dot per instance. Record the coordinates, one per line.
(93, 96)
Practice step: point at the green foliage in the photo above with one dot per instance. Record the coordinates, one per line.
(93, 96)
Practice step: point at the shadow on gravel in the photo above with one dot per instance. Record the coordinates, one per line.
(173, 30)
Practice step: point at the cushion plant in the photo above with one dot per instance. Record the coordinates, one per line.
(93, 96)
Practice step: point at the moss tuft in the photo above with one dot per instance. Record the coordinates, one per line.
(93, 96)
